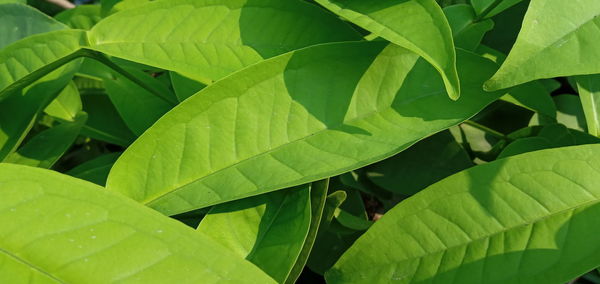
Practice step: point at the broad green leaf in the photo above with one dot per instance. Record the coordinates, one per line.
(466, 30)
(138, 107)
(13, 1)
(490, 8)
(106, 6)
(506, 30)
(268, 230)
(45, 148)
(318, 196)
(207, 39)
(589, 94)
(300, 117)
(58, 229)
(19, 21)
(104, 122)
(67, 104)
(184, 87)
(82, 17)
(531, 218)
(95, 170)
(27, 60)
(551, 44)
(424, 163)
(418, 25)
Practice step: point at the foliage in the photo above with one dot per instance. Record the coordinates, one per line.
(283, 141)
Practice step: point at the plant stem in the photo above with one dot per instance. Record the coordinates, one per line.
(487, 130)
(104, 60)
(487, 10)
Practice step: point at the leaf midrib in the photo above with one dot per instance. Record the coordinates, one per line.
(149, 202)
(30, 265)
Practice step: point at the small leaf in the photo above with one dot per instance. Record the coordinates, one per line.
(268, 230)
(531, 218)
(44, 149)
(85, 228)
(82, 17)
(95, 170)
(418, 25)
(216, 146)
(466, 30)
(490, 8)
(67, 104)
(104, 122)
(589, 94)
(207, 40)
(549, 39)
(184, 87)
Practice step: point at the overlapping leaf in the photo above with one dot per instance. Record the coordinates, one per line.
(296, 118)
(418, 25)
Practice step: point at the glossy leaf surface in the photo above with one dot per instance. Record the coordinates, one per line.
(418, 25)
(216, 145)
(84, 229)
(530, 218)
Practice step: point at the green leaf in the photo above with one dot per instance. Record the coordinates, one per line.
(549, 39)
(418, 25)
(490, 8)
(589, 94)
(27, 60)
(82, 17)
(95, 170)
(19, 21)
(104, 122)
(268, 230)
(466, 30)
(85, 228)
(184, 87)
(138, 107)
(216, 145)
(207, 40)
(67, 104)
(44, 149)
(569, 112)
(318, 196)
(426, 162)
(531, 218)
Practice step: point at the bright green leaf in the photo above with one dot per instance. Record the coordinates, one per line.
(58, 229)
(553, 43)
(299, 117)
(66, 105)
(531, 218)
(207, 40)
(418, 25)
